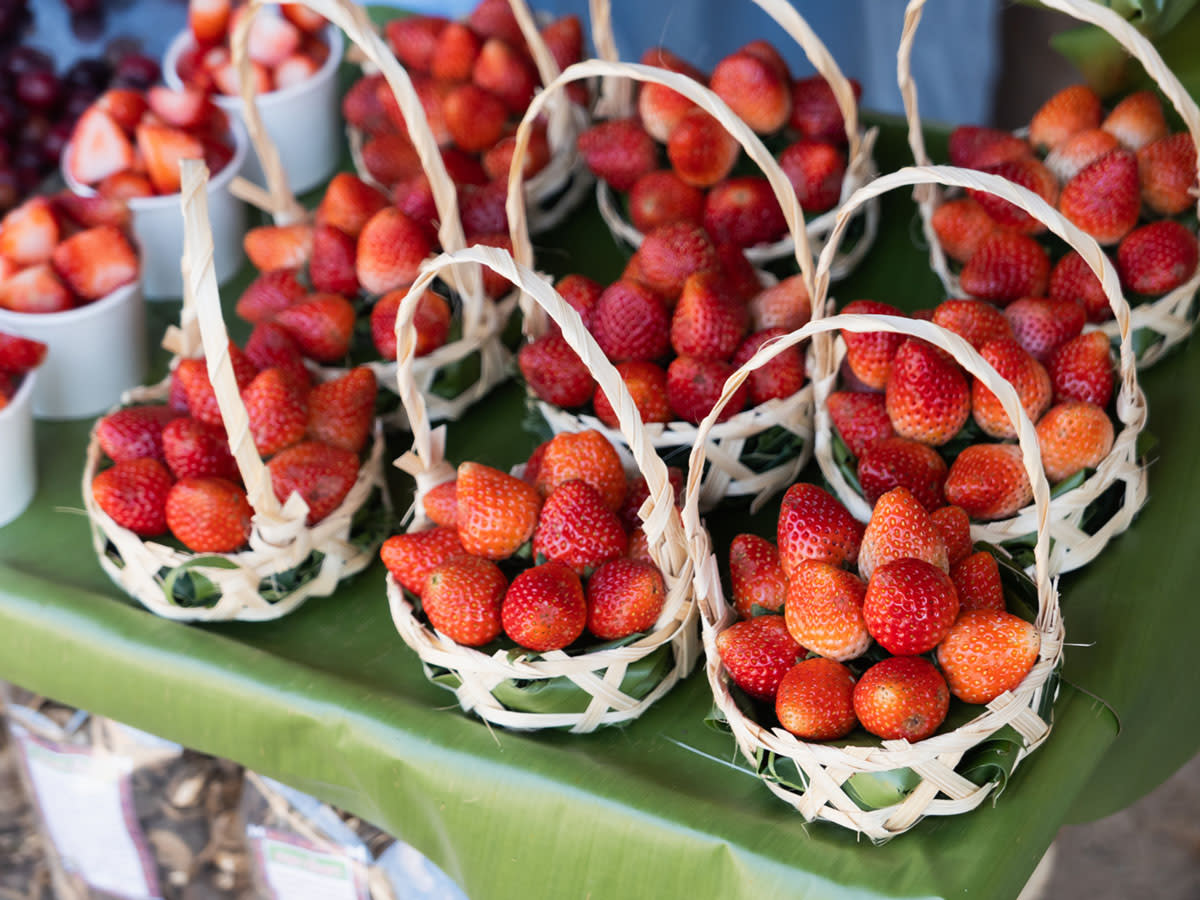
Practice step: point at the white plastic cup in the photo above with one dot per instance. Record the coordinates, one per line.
(96, 353)
(158, 225)
(18, 475)
(304, 120)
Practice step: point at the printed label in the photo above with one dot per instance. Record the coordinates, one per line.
(293, 869)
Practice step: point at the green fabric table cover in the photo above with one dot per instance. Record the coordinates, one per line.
(330, 700)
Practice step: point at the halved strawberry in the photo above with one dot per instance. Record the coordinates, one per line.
(35, 290)
(184, 108)
(96, 262)
(162, 148)
(99, 147)
(29, 233)
(209, 20)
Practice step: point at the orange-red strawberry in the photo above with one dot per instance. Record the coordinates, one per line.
(564, 40)
(575, 527)
(816, 170)
(742, 211)
(269, 294)
(708, 322)
(987, 653)
(1006, 266)
(694, 386)
(29, 233)
(462, 598)
(340, 412)
(669, 255)
(927, 396)
(630, 322)
(893, 462)
(134, 495)
(900, 528)
(161, 148)
(35, 290)
(624, 597)
(1082, 369)
(701, 151)
(1073, 436)
(96, 262)
(496, 512)
(391, 249)
(778, 379)
(618, 152)
(1028, 376)
(659, 107)
(973, 320)
(973, 146)
(814, 525)
(331, 266)
(319, 473)
(271, 346)
(99, 147)
(815, 700)
(302, 17)
(902, 698)
(989, 481)
(431, 322)
(411, 557)
(1079, 151)
(133, 432)
(544, 608)
(955, 526)
(209, 20)
(755, 575)
(441, 504)
(506, 73)
(1104, 199)
(910, 606)
(349, 203)
(754, 89)
(321, 325)
(960, 225)
(125, 106)
(413, 39)
(209, 515)
(278, 246)
(91, 211)
(1137, 120)
(662, 197)
(823, 610)
(1027, 172)
(1042, 325)
(1167, 171)
(20, 354)
(201, 399)
(815, 112)
(454, 53)
(1157, 258)
(1073, 279)
(757, 653)
(784, 305)
(193, 449)
(474, 117)
(497, 161)
(870, 354)
(1071, 110)
(186, 108)
(977, 581)
(555, 373)
(860, 418)
(586, 456)
(647, 384)
(277, 410)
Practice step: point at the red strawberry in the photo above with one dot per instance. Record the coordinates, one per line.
(533, 465)
(91, 211)
(161, 149)
(125, 106)
(694, 386)
(754, 89)
(973, 320)
(647, 384)
(186, 108)
(321, 325)
(977, 581)
(201, 399)
(1027, 172)
(816, 170)
(96, 262)
(900, 528)
(99, 147)
(564, 39)
(961, 224)
(629, 322)
(193, 449)
(1041, 325)
(331, 268)
(739, 272)
(893, 462)
(322, 475)
(555, 373)
(902, 698)
(390, 158)
(755, 575)
(973, 146)
(757, 653)
(495, 285)
(441, 504)
(481, 208)
(134, 432)
(815, 112)
(209, 20)
(431, 322)
(861, 419)
(134, 495)
(661, 198)
(784, 305)
(1079, 151)
(413, 40)
(495, 19)
(462, 598)
(277, 410)
(35, 290)
(1167, 172)
(340, 412)
(669, 255)
(303, 18)
(870, 354)
(1006, 266)
(391, 249)
(411, 557)
(506, 73)
(928, 399)
(778, 379)
(955, 526)
(20, 354)
(433, 95)
(544, 608)
(659, 107)
(639, 492)
(814, 525)
(1073, 109)
(910, 606)
(1073, 279)
(1137, 120)
(269, 294)
(497, 161)
(701, 151)
(618, 152)
(29, 233)
(496, 512)
(624, 597)
(708, 323)
(823, 610)
(584, 456)
(1104, 199)
(349, 203)
(989, 481)
(209, 515)
(474, 117)
(1024, 373)
(1157, 258)
(454, 53)
(1082, 369)
(815, 700)
(581, 294)
(1073, 436)
(987, 653)
(278, 246)
(124, 186)
(743, 211)
(272, 39)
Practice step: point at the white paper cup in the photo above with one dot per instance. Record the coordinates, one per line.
(18, 475)
(304, 120)
(96, 353)
(158, 225)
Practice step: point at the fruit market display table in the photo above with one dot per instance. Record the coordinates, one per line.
(328, 699)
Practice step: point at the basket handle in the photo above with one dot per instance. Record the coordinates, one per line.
(425, 461)
(559, 113)
(700, 95)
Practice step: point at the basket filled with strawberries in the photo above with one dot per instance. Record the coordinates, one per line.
(683, 314)
(1120, 174)
(810, 123)
(873, 675)
(236, 488)
(892, 411)
(557, 596)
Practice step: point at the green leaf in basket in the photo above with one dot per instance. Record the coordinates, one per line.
(845, 461)
(185, 587)
(533, 422)
(875, 790)
(1144, 339)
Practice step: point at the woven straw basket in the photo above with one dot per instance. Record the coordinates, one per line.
(558, 189)
(1070, 510)
(280, 541)
(482, 319)
(728, 475)
(827, 769)
(617, 101)
(599, 673)
(1170, 318)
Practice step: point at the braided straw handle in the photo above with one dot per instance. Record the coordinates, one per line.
(534, 321)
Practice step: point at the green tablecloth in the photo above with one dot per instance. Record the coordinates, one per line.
(329, 700)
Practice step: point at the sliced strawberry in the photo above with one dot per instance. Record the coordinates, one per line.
(162, 148)
(96, 262)
(29, 233)
(35, 290)
(180, 109)
(99, 148)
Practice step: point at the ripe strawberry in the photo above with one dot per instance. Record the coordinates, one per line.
(564, 39)
(411, 557)
(277, 411)
(989, 481)
(900, 528)
(271, 346)
(209, 20)
(322, 326)
(506, 73)
(481, 208)
(331, 268)
(1006, 266)
(670, 254)
(1028, 172)
(1104, 199)
(134, 432)
(975, 321)
(555, 373)
(35, 290)
(454, 53)
(870, 354)
(474, 117)
(134, 495)
(694, 386)
(659, 107)
(778, 379)
(495, 285)
(955, 526)
(755, 90)
(814, 525)
(497, 161)
(1073, 279)
(125, 106)
(1079, 151)
(987, 653)
(701, 151)
(413, 40)
(186, 108)
(1137, 120)
(581, 294)
(90, 211)
(294, 70)
(893, 462)
(815, 112)
(629, 322)
(1167, 172)
(209, 515)
(576, 527)
(1071, 110)
(624, 597)
(440, 504)
(124, 186)
(909, 606)
(815, 700)
(618, 152)
(495, 19)
(1157, 258)
(639, 492)
(340, 412)
(1082, 369)
(193, 449)
(269, 294)
(496, 512)
(226, 79)
(974, 147)
(390, 158)
(960, 225)
(708, 323)
(816, 170)
(743, 211)
(278, 246)
(29, 233)
(977, 581)
(161, 149)
(272, 39)
(755, 575)
(1073, 436)
(201, 399)
(349, 203)
(544, 608)
(647, 384)
(757, 653)
(584, 456)
(639, 546)
(462, 598)
(1015, 365)
(661, 197)
(823, 610)
(784, 305)
(431, 323)
(96, 262)
(902, 698)
(20, 354)
(98, 148)
(861, 419)
(319, 473)
(927, 395)
(1041, 325)
(391, 249)
(433, 95)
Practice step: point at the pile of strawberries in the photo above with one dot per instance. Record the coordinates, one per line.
(18, 357)
(63, 251)
(683, 316)
(284, 46)
(172, 467)
(843, 626)
(698, 186)
(128, 143)
(540, 557)
(914, 399)
(1119, 176)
